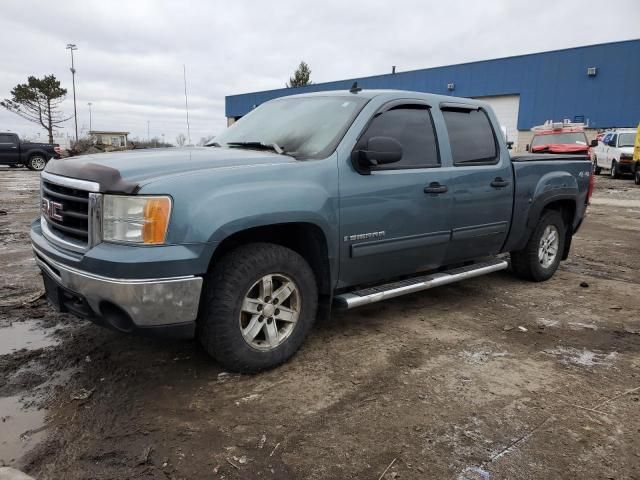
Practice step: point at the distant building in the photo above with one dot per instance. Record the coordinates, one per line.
(109, 138)
(595, 84)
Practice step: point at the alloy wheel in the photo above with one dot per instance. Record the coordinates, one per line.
(270, 311)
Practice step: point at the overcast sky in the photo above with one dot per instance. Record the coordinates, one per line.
(130, 53)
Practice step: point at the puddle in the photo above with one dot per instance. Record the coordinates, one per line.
(21, 429)
(28, 335)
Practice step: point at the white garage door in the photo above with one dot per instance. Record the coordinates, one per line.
(506, 109)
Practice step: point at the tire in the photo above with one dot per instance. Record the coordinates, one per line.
(36, 162)
(636, 177)
(614, 170)
(529, 263)
(235, 286)
(596, 169)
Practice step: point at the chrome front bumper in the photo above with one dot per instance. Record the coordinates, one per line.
(148, 302)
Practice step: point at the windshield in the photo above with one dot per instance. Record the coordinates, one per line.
(626, 139)
(578, 138)
(303, 127)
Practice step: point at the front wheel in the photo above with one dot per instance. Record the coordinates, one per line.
(596, 169)
(37, 163)
(540, 258)
(614, 170)
(259, 303)
(636, 177)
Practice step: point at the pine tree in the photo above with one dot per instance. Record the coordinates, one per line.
(38, 101)
(301, 77)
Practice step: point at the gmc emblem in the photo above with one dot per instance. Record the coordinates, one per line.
(52, 209)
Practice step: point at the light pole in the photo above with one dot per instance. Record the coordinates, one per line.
(71, 47)
(163, 140)
(90, 117)
(148, 137)
(186, 103)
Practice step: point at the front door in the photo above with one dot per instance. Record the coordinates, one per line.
(9, 151)
(481, 185)
(389, 224)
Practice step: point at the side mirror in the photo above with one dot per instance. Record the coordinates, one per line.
(378, 151)
(594, 143)
(509, 145)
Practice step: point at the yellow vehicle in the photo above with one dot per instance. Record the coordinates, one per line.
(636, 156)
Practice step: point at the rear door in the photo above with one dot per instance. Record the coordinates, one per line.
(9, 149)
(481, 183)
(396, 220)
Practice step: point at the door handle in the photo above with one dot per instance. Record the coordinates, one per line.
(435, 187)
(498, 182)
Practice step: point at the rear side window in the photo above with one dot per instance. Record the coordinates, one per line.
(7, 139)
(411, 125)
(471, 136)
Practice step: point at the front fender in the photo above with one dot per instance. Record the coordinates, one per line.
(210, 206)
(268, 204)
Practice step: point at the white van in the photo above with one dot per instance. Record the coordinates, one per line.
(614, 153)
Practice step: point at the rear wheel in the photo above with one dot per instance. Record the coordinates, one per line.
(259, 303)
(539, 260)
(37, 162)
(614, 170)
(636, 177)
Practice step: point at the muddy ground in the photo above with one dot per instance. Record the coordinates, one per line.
(493, 378)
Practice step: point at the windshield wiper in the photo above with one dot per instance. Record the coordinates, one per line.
(259, 146)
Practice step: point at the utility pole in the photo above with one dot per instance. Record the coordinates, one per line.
(186, 103)
(148, 137)
(90, 117)
(71, 47)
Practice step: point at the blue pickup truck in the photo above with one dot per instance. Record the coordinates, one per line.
(310, 201)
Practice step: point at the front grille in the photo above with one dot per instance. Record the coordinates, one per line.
(70, 207)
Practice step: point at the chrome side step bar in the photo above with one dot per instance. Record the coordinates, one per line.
(390, 290)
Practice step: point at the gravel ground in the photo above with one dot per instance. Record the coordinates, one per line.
(492, 378)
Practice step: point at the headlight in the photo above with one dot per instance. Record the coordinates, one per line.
(139, 219)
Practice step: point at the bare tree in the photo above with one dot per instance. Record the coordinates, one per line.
(38, 101)
(181, 140)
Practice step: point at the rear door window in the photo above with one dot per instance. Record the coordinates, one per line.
(4, 138)
(471, 136)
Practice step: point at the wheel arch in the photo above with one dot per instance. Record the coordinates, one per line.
(42, 153)
(304, 238)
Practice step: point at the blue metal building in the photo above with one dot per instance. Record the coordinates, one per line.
(597, 84)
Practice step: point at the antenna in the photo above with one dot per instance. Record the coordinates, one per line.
(186, 103)
(355, 88)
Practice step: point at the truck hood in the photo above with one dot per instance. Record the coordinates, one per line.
(126, 172)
